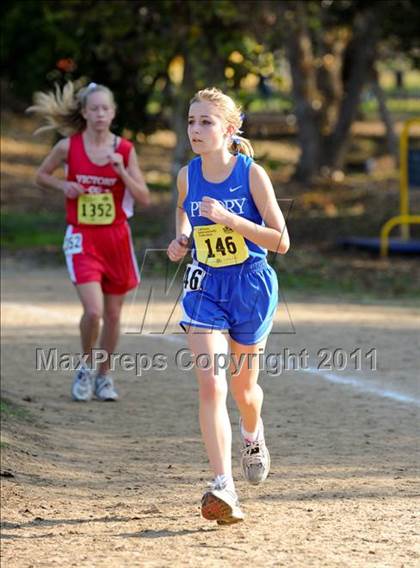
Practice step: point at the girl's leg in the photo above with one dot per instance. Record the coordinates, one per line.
(248, 395)
(91, 296)
(214, 419)
(245, 390)
(220, 503)
(92, 299)
(111, 327)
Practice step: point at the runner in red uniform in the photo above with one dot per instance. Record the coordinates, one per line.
(103, 180)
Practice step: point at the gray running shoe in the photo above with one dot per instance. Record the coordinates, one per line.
(255, 459)
(221, 504)
(81, 389)
(104, 388)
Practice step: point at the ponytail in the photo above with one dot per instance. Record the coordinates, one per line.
(61, 110)
(240, 145)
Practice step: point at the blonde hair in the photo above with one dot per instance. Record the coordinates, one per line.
(62, 109)
(231, 113)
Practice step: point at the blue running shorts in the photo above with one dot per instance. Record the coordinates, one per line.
(241, 299)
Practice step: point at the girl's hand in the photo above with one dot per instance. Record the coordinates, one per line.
(178, 248)
(72, 189)
(117, 162)
(214, 210)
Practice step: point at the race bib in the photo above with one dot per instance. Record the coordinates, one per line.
(96, 209)
(73, 244)
(193, 278)
(218, 246)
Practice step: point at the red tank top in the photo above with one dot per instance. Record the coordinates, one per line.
(97, 180)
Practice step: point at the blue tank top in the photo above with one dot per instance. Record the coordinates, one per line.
(233, 193)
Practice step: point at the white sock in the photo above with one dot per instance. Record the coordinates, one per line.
(228, 479)
(250, 436)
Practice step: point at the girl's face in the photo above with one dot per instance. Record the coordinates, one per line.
(99, 111)
(207, 131)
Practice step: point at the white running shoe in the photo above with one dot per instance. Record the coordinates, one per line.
(104, 388)
(255, 459)
(81, 389)
(221, 504)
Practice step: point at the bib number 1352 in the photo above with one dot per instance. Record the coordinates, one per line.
(193, 277)
(96, 209)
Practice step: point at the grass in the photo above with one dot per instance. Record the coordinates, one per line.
(45, 231)
(9, 409)
(31, 230)
(407, 105)
(356, 275)
(314, 281)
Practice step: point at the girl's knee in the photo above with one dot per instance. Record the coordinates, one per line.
(212, 389)
(93, 315)
(244, 394)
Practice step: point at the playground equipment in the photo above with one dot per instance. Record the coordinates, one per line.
(409, 178)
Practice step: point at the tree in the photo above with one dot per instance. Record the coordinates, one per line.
(332, 48)
(204, 36)
(329, 66)
(154, 55)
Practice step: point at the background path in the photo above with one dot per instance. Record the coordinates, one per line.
(120, 484)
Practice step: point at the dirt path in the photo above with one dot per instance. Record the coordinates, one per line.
(120, 484)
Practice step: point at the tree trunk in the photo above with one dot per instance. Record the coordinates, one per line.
(399, 79)
(390, 136)
(304, 89)
(360, 56)
(327, 89)
(178, 123)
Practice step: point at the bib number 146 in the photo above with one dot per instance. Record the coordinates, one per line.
(193, 277)
(219, 246)
(228, 246)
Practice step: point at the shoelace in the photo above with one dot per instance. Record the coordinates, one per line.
(83, 376)
(105, 383)
(252, 452)
(217, 484)
(221, 485)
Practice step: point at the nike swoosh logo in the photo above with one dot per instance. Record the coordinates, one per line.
(234, 188)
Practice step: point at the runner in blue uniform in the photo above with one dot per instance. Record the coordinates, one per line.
(227, 204)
